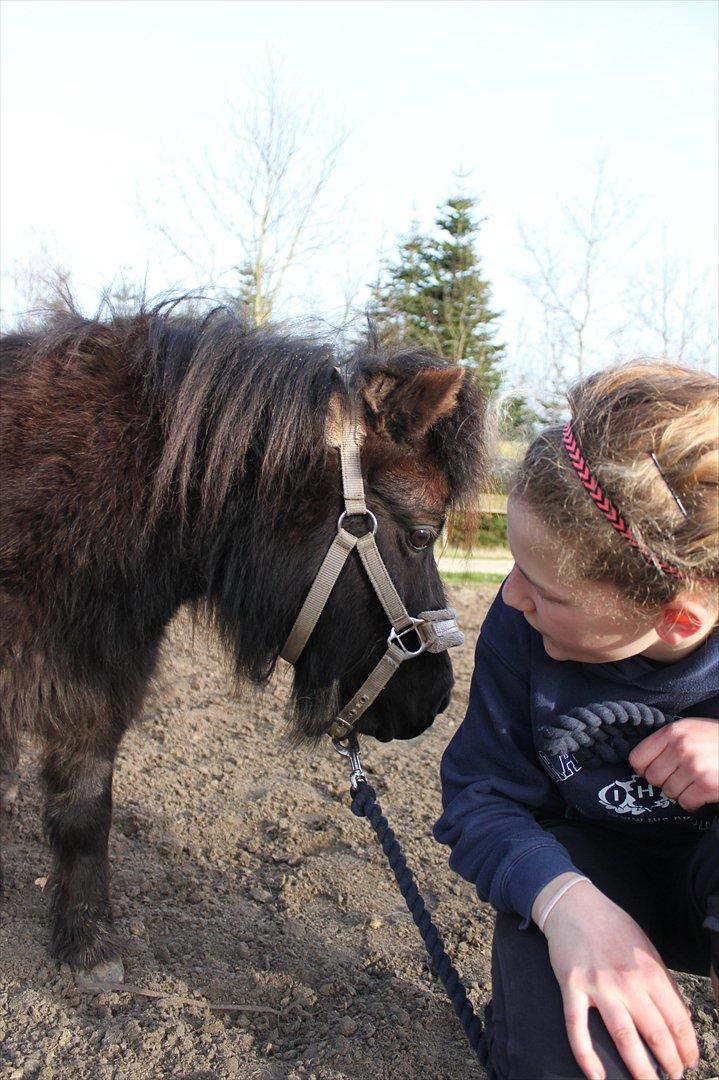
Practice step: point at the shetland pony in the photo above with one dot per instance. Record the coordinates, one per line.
(164, 459)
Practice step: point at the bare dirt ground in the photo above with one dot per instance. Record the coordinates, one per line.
(242, 880)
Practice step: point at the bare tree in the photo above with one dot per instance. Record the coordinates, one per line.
(590, 307)
(268, 203)
(673, 315)
(34, 286)
(568, 284)
(126, 294)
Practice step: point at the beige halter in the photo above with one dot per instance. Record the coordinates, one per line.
(434, 630)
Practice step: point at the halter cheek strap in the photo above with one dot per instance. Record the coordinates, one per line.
(435, 631)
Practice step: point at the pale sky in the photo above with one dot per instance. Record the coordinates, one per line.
(104, 102)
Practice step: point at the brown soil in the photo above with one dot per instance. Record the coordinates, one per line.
(241, 878)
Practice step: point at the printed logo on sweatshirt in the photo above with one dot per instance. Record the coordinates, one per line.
(635, 796)
(560, 766)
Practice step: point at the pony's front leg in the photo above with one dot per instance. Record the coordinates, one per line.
(78, 811)
(9, 778)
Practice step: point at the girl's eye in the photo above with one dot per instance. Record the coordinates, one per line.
(421, 538)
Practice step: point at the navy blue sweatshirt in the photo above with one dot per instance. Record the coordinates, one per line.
(497, 786)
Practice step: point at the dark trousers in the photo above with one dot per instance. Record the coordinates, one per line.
(663, 884)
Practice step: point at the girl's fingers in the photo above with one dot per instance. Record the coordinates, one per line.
(648, 749)
(677, 782)
(623, 1031)
(693, 797)
(576, 1012)
(678, 1021)
(660, 1022)
(685, 788)
(662, 1042)
(661, 768)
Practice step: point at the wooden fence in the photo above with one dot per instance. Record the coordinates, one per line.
(492, 504)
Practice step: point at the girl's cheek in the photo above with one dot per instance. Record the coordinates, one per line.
(557, 622)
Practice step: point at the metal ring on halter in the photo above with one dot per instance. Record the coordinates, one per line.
(395, 637)
(367, 513)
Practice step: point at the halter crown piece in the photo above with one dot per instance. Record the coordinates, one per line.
(605, 506)
(432, 631)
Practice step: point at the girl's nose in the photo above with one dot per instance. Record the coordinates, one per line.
(515, 594)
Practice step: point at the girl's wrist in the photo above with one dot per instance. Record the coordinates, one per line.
(548, 898)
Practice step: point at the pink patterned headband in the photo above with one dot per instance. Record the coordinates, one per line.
(605, 507)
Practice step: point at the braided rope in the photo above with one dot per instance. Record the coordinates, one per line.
(602, 734)
(605, 506)
(364, 804)
(595, 734)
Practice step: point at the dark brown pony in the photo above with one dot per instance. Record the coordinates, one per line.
(161, 460)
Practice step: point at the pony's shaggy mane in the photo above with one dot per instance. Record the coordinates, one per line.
(234, 399)
(239, 399)
(258, 399)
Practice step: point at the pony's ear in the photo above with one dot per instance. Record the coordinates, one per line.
(406, 408)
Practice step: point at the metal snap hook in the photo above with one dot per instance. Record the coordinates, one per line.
(349, 748)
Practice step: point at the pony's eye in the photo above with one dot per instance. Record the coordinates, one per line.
(421, 538)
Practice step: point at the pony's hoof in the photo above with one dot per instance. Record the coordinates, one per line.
(105, 974)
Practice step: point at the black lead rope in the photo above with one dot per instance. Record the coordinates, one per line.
(595, 734)
(364, 804)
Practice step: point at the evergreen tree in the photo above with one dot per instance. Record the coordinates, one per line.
(434, 295)
(250, 299)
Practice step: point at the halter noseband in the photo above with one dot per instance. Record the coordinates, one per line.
(435, 630)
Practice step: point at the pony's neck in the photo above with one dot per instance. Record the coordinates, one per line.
(258, 569)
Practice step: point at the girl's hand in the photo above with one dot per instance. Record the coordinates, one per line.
(602, 959)
(682, 759)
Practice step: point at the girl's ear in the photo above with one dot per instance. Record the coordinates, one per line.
(682, 619)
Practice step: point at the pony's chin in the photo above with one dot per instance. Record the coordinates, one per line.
(385, 729)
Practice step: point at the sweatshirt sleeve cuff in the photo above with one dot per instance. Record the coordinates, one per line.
(525, 878)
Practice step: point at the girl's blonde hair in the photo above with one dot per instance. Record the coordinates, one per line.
(620, 417)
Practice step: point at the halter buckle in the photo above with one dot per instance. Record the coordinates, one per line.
(395, 638)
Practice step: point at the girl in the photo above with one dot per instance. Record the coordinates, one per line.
(602, 877)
